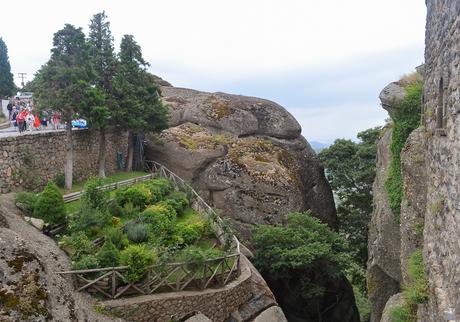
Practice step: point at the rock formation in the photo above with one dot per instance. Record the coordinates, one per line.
(384, 273)
(246, 156)
(429, 166)
(30, 290)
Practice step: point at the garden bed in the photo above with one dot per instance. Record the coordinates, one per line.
(142, 239)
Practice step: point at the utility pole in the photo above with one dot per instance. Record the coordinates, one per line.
(22, 76)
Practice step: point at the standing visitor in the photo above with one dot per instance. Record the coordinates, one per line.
(21, 120)
(9, 107)
(13, 117)
(56, 120)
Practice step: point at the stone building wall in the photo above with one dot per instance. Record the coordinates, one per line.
(216, 304)
(441, 109)
(30, 160)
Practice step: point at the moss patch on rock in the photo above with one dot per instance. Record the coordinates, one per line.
(263, 160)
(195, 137)
(217, 108)
(26, 297)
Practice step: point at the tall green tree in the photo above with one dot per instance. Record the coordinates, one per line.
(7, 87)
(350, 169)
(66, 84)
(104, 63)
(139, 107)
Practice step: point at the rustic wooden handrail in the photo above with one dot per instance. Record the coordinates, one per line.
(110, 186)
(175, 276)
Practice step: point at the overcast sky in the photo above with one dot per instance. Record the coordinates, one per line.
(324, 61)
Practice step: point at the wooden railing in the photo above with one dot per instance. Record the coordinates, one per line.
(111, 283)
(111, 186)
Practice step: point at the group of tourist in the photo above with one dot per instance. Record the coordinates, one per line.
(22, 116)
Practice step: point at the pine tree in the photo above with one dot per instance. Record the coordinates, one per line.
(65, 84)
(7, 87)
(104, 63)
(139, 108)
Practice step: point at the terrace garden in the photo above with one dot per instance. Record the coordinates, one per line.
(138, 239)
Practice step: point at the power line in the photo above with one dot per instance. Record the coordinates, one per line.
(22, 76)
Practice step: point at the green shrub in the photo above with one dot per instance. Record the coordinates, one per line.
(93, 196)
(416, 292)
(405, 120)
(196, 256)
(160, 219)
(115, 209)
(159, 188)
(86, 262)
(50, 205)
(192, 232)
(26, 201)
(399, 313)
(138, 195)
(178, 201)
(59, 180)
(116, 237)
(138, 258)
(137, 232)
(108, 255)
(77, 245)
(90, 220)
(305, 249)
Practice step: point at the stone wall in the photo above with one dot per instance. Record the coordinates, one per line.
(216, 304)
(442, 108)
(32, 159)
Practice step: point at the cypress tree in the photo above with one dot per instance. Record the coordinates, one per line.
(7, 86)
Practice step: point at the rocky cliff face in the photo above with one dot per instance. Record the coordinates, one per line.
(384, 273)
(30, 290)
(246, 156)
(394, 238)
(429, 161)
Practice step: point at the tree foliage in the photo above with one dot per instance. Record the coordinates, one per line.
(65, 84)
(305, 248)
(139, 107)
(7, 86)
(350, 169)
(50, 205)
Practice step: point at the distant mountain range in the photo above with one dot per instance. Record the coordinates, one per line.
(318, 146)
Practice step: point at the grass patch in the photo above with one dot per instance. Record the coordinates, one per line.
(119, 176)
(415, 292)
(406, 119)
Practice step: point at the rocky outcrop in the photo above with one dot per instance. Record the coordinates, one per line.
(395, 300)
(384, 272)
(30, 289)
(391, 95)
(246, 156)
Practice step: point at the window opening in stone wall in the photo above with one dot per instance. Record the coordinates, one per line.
(440, 108)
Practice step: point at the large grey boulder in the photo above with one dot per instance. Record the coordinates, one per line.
(247, 158)
(245, 155)
(391, 95)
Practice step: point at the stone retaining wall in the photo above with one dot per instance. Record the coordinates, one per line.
(31, 159)
(216, 304)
